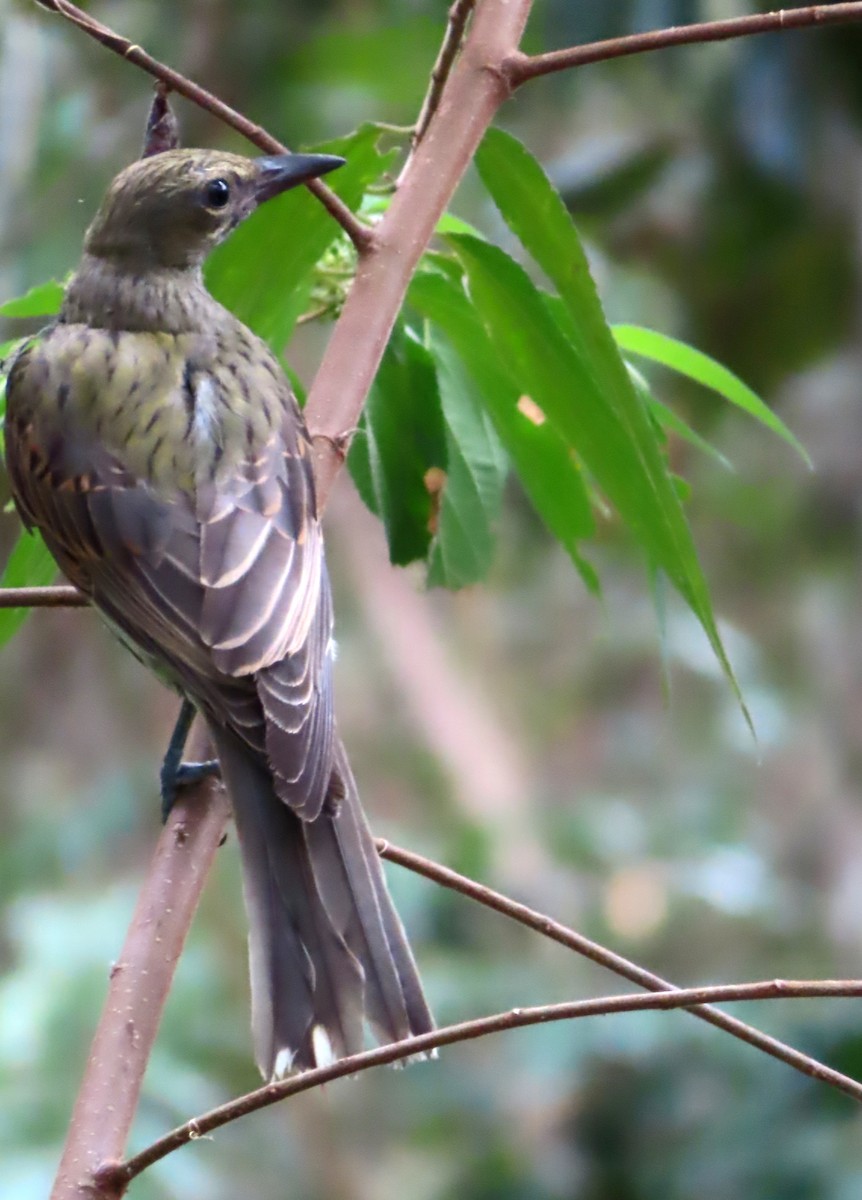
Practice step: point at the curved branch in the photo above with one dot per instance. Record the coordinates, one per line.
(361, 236)
(515, 1018)
(616, 963)
(519, 67)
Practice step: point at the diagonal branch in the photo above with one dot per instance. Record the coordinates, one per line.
(361, 236)
(519, 67)
(515, 1018)
(138, 988)
(615, 962)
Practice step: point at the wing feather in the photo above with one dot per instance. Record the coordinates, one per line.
(223, 587)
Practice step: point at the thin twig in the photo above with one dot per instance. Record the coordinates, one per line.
(61, 596)
(616, 963)
(459, 14)
(273, 1093)
(520, 67)
(361, 236)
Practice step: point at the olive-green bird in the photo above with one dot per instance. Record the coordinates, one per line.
(155, 443)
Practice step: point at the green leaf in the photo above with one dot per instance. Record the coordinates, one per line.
(264, 272)
(43, 300)
(29, 565)
(463, 547)
(548, 472)
(401, 437)
(584, 391)
(696, 365)
(583, 379)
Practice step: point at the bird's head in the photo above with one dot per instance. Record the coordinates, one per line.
(170, 210)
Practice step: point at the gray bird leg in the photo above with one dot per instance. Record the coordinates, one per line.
(175, 773)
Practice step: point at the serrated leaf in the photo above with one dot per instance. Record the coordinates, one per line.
(695, 365)
(43, 300)
(400, 439)
(263, 272)
(602, 415)
(463, 547)
(29, 565)
(584, 390)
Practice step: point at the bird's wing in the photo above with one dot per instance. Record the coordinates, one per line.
(224, 589)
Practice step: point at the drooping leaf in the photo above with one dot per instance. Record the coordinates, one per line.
(463, 546)
(29, 565)
(43, 300)
(604, 417)
(548, 471)
(694, 364)
(263, 272)
(584, 390)
(400, 440)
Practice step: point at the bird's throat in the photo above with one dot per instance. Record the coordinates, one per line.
(108, 294)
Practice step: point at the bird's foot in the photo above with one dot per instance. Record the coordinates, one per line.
(176, 776)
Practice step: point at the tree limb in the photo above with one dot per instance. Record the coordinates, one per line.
(138, 988)
(519, 67)
(361, 235)
(474, 91)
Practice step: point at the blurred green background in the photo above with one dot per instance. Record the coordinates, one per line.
(520, 731)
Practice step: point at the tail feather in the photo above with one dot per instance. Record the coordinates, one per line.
(326, 948)
(354, 887)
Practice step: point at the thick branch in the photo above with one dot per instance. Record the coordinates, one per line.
(138, 988)
(521, 67)
(616, 963)
(475, 90)
(361, 236)
(516, 1018)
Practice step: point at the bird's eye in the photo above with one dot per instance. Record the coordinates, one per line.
(218, 193)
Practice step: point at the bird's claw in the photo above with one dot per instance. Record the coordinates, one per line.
(184, 774)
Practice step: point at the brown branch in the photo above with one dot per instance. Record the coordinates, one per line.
(361, 236)
(137, 991)
(515, 1018)
(61, 596)
(616, 963)
(459, 15)
(519, 67)
(473, 93)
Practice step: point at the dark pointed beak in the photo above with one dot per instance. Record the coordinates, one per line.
(282, 171)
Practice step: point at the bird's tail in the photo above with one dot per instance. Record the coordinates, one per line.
(327, 951)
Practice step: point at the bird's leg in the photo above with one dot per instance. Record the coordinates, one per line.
(175, 773)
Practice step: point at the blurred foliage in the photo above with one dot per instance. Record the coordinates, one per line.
(717, 192)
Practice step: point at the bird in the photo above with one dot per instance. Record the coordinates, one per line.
(155, 443)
